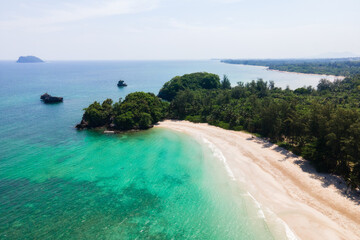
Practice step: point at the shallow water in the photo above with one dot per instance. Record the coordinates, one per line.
(59, 183)
(156, 184)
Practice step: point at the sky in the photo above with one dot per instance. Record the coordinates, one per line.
(178, 29)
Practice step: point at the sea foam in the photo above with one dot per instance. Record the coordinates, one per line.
(219, 155)
(289, 233)
(258, 205)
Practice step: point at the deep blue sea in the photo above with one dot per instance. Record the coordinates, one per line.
(60, 183)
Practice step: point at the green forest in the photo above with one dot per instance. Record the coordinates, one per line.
(329, 66)
(322, 124)
(139, 110)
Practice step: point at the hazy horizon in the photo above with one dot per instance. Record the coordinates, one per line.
(172, 30)
(200, 59)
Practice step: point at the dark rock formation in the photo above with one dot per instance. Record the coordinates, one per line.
(50, 99)
(29, 59)
(82, 125)
(121, 83)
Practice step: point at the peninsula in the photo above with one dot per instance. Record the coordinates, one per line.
(319, 194)
(139, 110)
(142, 110)
(29, 59)
(322, 125)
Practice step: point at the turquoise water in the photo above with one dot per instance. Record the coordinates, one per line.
(157, 184)
(59, 183)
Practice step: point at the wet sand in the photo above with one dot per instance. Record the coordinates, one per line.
(313, 205)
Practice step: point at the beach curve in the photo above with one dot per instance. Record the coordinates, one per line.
(312, 205)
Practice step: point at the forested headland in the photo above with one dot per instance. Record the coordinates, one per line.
(330, 66)
(322, 124)
(139, 110)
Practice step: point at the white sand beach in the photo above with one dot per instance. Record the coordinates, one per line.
(326, 76)
(313, 205)
(312, 74)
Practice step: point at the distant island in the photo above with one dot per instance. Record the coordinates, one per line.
(29, 59)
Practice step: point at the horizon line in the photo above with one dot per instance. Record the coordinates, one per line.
(198, 59)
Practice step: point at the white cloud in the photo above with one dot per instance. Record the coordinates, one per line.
(176, 24)
(159, 29)
(228, 1)
(69, 12)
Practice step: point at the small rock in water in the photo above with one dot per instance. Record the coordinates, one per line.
(47, 98)
(121, 83)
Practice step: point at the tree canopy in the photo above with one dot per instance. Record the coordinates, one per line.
(193, 81)
(322, 125)
(139, 110)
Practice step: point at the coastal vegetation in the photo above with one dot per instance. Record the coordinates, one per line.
(322, 124)
(331, 66)
(194, 81)
(142, 110)
(139, 110)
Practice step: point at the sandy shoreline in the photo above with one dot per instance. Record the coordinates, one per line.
(312, 74)
(313, 205)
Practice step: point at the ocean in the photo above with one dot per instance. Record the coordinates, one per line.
(60, 183)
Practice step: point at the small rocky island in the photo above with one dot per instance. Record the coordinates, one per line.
(29, 59)
(121, 83)
(46, 98)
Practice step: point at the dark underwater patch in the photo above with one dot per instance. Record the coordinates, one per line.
(62, 209)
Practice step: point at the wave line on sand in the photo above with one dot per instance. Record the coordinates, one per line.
(219, 155)
(289, 233)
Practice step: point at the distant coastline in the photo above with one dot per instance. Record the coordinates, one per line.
(300, 73)
(340, 67)
(312, 74)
